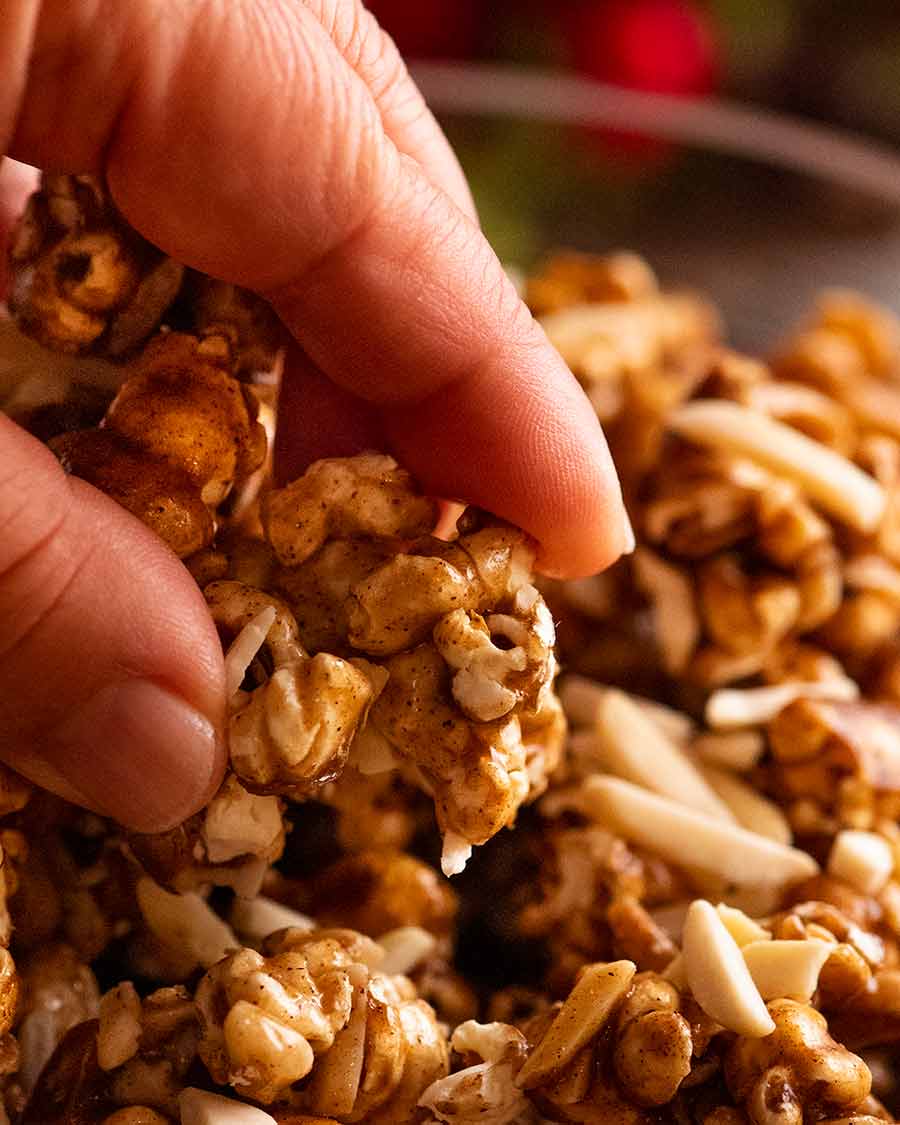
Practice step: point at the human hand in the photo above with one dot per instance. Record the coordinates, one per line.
(278, 144)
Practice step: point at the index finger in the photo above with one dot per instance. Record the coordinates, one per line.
(390, 289)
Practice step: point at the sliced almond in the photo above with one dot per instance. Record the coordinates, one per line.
(675, 724)
(786, 969)
(755, 900)
(675, 972)
(588, 1006)
(718, 975)
(748, 806)
(731, 708)
(741, 926)
(404, 948)
(735, 750)
(119, 1034)
(862, 859)
(676, 623)
(636, 749)
(691, 839)
(198, 1107)
(255, 918)
(875, 573)
(581, 699)
(833, 482)
(185, 923)
(455, 854)
(244, 647)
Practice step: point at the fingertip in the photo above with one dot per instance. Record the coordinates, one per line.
(139, 753)
(590, 546)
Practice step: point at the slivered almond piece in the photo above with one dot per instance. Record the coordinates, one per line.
(718, 975)
(786, 969)
(186, 923)
(404, 948)
(581, 699)
(675, 724)
(676, 623)
(873, 572)
(198, 1107)
(735, 750)
(862, 859)
(749, 807)
(244, 648)
(255, 918)
(833, 482)
(732, 708)
(690, 839)
(741, 926)
(119, 1034)
(637, 749)
(589, 1005)
(455, 854)
(632, 328)
(675, 972)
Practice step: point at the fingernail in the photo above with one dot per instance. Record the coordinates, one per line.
(141, 754)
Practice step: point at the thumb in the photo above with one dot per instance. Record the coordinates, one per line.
(111, 675)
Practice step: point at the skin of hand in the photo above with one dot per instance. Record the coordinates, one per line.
(281, 145)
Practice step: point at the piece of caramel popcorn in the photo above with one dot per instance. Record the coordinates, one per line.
(464, 638)
(294, 730)
(85, 282)
(177, 437)
(82, 279)
(798, 1071)
(316, 1025)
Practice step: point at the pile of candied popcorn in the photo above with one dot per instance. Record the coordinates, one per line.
(676, 869)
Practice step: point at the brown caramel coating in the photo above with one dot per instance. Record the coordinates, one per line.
(254, 331)
(294, 729)
(83, 281)
(181, 404)
(161, 495)
(269, 1023)
(653, 1047)
(465, 640)
(346, 498)
(568, 278)
(799, 1065)
(476, 771)
(378, 891)
(180, 433)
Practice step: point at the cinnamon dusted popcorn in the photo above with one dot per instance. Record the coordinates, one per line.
(85, 282)
(176, 438)
(799, 1068)
(841, 758)
(294, 730)
(82, 279)
(465, 639)
(318, 1009)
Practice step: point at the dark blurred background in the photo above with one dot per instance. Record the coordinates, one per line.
(762, 240)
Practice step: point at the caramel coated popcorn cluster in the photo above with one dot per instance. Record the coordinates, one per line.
(676, 873)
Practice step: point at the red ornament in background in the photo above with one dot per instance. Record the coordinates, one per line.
(661, 46)
(430, 28)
